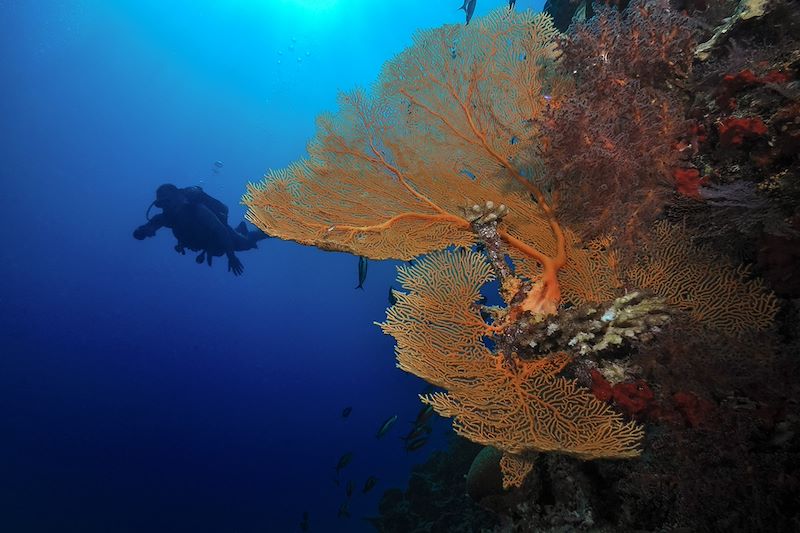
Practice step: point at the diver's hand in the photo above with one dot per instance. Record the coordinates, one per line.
(234, 265)
(142, 232)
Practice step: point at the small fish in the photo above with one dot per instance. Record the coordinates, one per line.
(219, 164)
(369, 484)
(468, 8)
(346, 411)
(424, 415)
(344, 512)
(344, 460)
(392, 297)
(349, 489)
(416, 432)
(386, 426)
(416, 444)
(362, 271)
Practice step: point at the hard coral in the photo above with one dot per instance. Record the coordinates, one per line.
(590, 330)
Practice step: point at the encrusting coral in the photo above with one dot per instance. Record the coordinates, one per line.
(592, 329)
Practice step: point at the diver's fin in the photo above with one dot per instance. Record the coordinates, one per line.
(242, 228)
(257, 235)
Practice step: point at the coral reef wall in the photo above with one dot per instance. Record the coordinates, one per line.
(634, 194)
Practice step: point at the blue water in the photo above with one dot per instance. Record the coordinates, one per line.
(138, 390)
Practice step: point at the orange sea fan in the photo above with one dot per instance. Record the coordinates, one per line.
(528, 408)
(709, 288)
(452, 122)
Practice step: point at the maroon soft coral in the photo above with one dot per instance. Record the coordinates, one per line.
(611, 143)
(695, 410)
(633, 398)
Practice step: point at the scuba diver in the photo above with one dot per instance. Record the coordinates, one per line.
(200, 223)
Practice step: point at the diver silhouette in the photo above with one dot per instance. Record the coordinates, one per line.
(200, 223)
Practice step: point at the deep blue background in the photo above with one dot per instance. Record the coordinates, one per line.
(138, 390)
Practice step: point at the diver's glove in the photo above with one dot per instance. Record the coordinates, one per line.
(142, 232)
